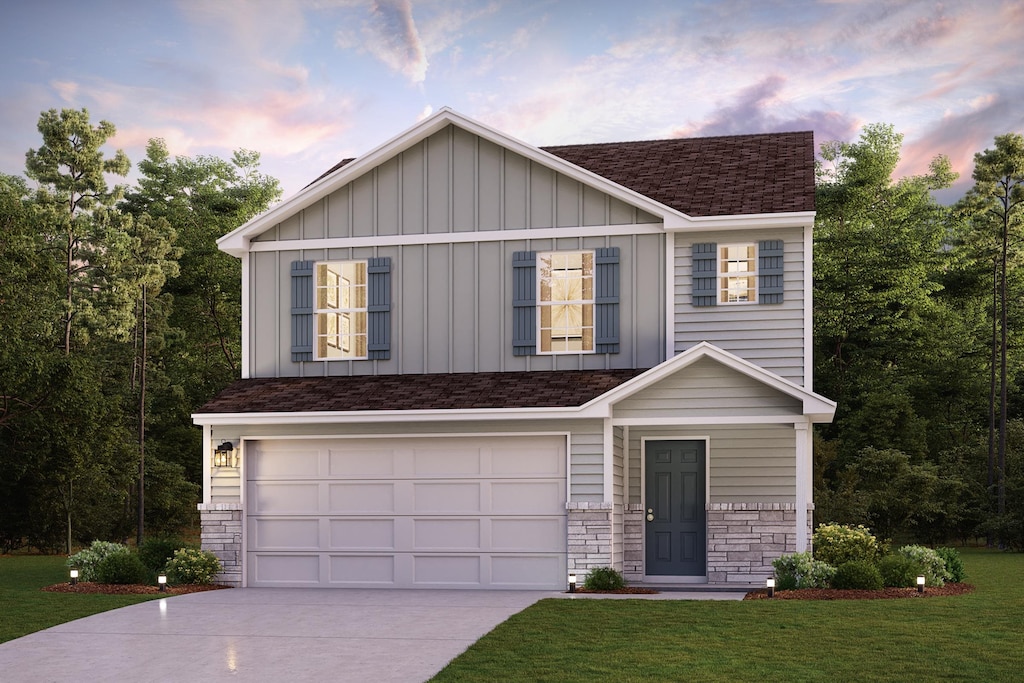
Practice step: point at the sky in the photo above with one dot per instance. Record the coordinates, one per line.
(307, 83)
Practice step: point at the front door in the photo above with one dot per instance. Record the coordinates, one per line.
(676, 535)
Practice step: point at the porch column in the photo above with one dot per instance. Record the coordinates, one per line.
(804, 481)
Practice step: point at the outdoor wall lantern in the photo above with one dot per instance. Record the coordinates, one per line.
(74, 577)
(920, 584)
(225, 455)
(770, 584)
(162, 580)
(572, 583)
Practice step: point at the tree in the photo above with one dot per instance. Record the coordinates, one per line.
(995, 209)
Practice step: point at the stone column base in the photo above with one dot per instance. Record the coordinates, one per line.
(633, 542)
(590, 537)
(221, 528)
(744, 538)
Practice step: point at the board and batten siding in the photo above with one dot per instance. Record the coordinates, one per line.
(586, 454)
(706, 388)
(747, 463)
(451, 308)
(768, 335)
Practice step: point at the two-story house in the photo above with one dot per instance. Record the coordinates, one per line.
(471, 362)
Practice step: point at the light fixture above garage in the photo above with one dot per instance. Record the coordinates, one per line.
(225, 455)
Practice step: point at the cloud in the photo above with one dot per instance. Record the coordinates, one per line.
(390, 35)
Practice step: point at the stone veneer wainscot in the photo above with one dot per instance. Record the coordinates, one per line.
(221, 526)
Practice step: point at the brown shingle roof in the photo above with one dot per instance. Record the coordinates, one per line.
(461, 391)
(714, 176)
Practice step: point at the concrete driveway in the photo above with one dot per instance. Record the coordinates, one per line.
(266, 634)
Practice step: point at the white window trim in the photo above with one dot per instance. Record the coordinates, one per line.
(541, 303)
(720, 275)
(317, 312)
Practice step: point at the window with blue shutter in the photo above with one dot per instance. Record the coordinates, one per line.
(770, 271)
(705, 274)
(606, 300)
(302, 311)
(524, 303)
(378, 318)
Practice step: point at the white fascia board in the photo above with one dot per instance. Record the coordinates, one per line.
(384, 416)
(790, 219)
(816, 407)
(460, 237)
(708, 421)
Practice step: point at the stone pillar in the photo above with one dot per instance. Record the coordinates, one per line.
(633, 542)
(590, 537)
(744, 538)
(221, 525)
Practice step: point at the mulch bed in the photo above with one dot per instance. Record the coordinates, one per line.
(127, 589)
(884, 594)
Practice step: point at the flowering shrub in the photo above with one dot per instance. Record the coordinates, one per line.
(838, 544)
(932, 565)
(954, 565)
(189, 565)
(801, 571)
(88, 559)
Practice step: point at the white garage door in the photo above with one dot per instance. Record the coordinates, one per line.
(407, 512)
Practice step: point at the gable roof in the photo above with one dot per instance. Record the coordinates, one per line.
(456, 391)
(771, 176)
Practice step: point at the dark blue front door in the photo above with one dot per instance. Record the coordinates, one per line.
(676, 521)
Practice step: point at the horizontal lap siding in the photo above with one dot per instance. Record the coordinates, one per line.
(585, 461)
(451, 308)
(747, 463)
(769, 335)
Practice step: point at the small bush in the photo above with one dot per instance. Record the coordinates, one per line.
(88, 559)
(604, 579)
(838, 544)
(155, 552)
(859, 575)
(122, 568)
(954, 564)
(899, 571)
(189, 565)
(931, 564)
(801, 570)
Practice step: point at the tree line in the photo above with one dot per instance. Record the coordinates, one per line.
(119, 317)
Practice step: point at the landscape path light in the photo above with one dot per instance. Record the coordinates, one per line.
(74, 577)
(162, 580)
(572, 583)
(920, 584)
(770, 584)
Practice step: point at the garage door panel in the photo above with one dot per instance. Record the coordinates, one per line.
(528, 497)
(526, 571)
(270, 533)
(527, 534)
(291, 569)
(447, 534)
(361, 462)
(446, 498)
(446, 462)
(546, 462)
(361, 498)
(361, 570)
(284, 497)
(291, 463)
(362, 534)
(446, 570)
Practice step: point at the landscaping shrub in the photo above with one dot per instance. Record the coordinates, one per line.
(604, 579)
(899, 571)
(838, 544)
(954, 564)
(189, 565)
(155, 552)
(857, 574)
(801, 570)
(122, 568)
(88, 559)
(932, 565)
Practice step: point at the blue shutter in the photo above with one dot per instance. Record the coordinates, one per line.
(524, 303)
(769, 271)
(606, 300)
(302, 311)
(378, 309)
(705, 274)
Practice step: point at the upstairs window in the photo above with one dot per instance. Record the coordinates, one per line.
(737, 281)
(341, 309)
(566, 302)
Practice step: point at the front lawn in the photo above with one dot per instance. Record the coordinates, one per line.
(973, 637)
(25, 608)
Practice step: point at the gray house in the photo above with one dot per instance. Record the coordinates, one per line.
(469, 362)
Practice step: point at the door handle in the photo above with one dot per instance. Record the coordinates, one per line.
(650, 514)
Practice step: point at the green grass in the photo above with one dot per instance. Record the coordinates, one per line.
(974, 637)
(25, 609)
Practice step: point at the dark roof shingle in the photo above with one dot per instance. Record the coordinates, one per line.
(459, 391)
